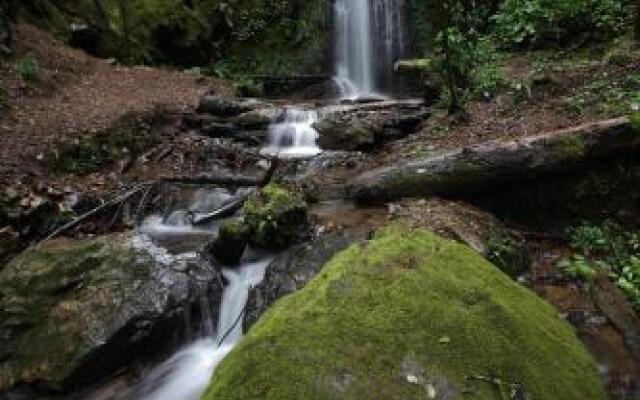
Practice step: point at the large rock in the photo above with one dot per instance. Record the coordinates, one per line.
(343, 132)
(225, 107)
(277, 217)
(231, 242)
(365, 126)
(409, 316)
(73, 311)
(293, 269)
(469, 225)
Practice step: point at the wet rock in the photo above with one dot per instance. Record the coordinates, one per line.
(225, 107)
(293, 269)
(469, 225)
(277, 217)
(232, 240)
(74, 311)
(364, 127)
(254, 120)
(343, 132)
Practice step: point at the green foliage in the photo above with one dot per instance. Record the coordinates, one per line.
(407, 315)
(27, 69)
(465, 62)
(276, 217)
(506, 253)
(605, 97)
(242, 82)
(610, 248)
(544, 22)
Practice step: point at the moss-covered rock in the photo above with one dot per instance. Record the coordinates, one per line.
(232, 240)
(73, 311)
(276, 216)
(469, 225)
(409, 316)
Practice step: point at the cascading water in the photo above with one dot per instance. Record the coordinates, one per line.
(292, 134)
(186, 375)
(370, 37)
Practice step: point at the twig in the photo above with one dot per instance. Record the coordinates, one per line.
(228, 332)
(231, 207)
(91, 213)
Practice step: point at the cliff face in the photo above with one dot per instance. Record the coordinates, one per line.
(251, 36)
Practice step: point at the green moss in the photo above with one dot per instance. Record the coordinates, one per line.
(570, 147)
(231, 242)
(50, 295)
(276, 217)
(409, 306)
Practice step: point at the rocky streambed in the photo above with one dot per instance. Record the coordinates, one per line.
(111, 316)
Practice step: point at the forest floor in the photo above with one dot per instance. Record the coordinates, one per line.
(539, 92)
(75, 95)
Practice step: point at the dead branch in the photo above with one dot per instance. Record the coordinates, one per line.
(116, 201)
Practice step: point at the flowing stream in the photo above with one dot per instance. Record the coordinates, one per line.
(186, 375)
(292, 134)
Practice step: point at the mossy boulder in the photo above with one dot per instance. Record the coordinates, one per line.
(276, 216)
(232, 240)
(469, 225)
(409, 316)
(74, 311)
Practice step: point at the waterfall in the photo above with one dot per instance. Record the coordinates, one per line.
(186, 375)
(292, 134)
(370, 38)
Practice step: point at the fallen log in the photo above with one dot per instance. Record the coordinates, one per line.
(215, 179)
(473, 168)
(234, 205)
(114, 202)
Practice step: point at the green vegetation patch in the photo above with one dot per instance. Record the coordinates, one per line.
(276, 217)
(606, 247)
(409, 316)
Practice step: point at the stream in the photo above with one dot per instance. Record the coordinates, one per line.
(367, 30)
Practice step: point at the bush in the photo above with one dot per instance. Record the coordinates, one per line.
(610, 248)
(543, 22)
(28, 69)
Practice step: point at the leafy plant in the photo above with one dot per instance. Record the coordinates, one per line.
(608, 248)
(28, 69)
(505, 252)
(544, 22)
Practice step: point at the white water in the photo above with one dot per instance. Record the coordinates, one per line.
(370, 38)
(186, 375)
(292, 134)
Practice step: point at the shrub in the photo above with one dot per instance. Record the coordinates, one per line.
(606, 247)
(543, 22)
(28, 69)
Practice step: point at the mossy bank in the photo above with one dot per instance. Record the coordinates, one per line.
(409, 316)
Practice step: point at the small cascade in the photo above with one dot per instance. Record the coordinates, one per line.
(292, 134)
(186, 375)
(370, 38)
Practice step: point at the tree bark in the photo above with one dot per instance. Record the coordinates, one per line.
(467, 169)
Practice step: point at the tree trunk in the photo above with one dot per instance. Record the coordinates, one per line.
(467, 169)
